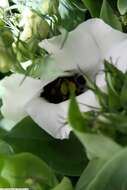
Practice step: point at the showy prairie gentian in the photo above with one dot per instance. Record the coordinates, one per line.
(86, 48)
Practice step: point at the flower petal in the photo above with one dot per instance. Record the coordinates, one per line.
(79, 50)
(87, 101)
(85, 47)
(16, 92)
(48, 116)
(105, 36)
(118, 56)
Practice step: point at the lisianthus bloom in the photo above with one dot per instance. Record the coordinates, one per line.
(86, 48)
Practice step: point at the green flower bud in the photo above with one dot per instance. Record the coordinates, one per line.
(21, 51)
(1, 23)
(7, 38)
(7, 57)
(6, 60)
(25, 50)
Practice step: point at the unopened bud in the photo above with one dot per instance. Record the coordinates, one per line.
(33, 25)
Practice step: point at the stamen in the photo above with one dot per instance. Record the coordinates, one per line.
(59, 90)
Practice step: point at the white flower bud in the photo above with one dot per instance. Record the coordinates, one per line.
(4, 4)
(33, 25)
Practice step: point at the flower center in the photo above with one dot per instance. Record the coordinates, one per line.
(59, 90)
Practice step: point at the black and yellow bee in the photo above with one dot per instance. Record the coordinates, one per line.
(59, 90)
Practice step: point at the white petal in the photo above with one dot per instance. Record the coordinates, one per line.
(52, 45)
(118, 55)
(79, 50)
(48, 116)
(106, 37)
(53, 117)
(16, 93)
(87, 101)
(85, 47)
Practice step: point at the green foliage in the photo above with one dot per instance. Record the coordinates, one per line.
(91, 139)
(102, 175)
(64, 184)
(122, 6)
(26, 170)
(5, 148)
(111, 118)
(109, 11)
(89, 173)
(98, 145)
(123, 95)
(109, 15)
(66, 157)
(75, 118)
(71, 9)
(114, 99)
(93, 6)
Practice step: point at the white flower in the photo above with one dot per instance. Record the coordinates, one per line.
(4, 4)
(86, 48)
(21, 98)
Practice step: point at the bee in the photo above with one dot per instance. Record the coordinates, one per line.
(59, 90)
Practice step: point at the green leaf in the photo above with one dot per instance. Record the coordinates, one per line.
(4, 183)
(115, 121)
(109, 16)
(5, 148)
(117, 77)
(123, 95)
(113, 101)
(76, 119)
(114, 80)
(102, 98)
(113, 97)
(93, 6)
(25, 169)
(64, 156)
(68, 9)
(122, 6)
(111, 175)
(65, 184)
(89, 173)
(98, 145)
